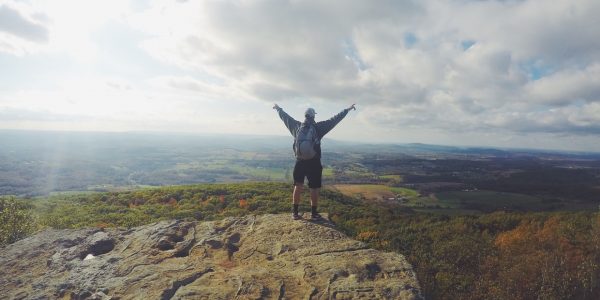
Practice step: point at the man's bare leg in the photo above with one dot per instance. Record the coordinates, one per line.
(296, 197)
(314, 202)
(314, 197)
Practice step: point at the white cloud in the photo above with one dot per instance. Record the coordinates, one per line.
(567, 86)
(454, 67)
(346, 51)
(13, 22)
(59, 26)
(22, 30)
(191, 85)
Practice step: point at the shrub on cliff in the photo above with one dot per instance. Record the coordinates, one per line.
(16, 220)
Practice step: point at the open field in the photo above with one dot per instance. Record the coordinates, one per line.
(261, 173)
(392, 179)
(488, 201)
(457, 202)
(374, 191)
(327, 173)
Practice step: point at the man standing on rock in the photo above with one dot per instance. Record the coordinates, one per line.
(307, 149)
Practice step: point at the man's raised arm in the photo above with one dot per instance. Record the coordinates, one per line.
(291, 124)
(326, 126)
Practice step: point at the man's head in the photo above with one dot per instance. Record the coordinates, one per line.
(310, 113)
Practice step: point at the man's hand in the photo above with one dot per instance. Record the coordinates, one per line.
(352, 107)
(276, 107)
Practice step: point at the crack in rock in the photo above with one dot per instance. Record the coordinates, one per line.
(342, 250)
(281, 291)
(170, 292)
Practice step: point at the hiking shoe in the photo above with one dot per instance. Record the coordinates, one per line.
(316, 216)
(296, 217)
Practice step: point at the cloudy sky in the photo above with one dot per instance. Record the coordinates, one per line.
(521, 73)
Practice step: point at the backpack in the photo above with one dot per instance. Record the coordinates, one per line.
(305, 141)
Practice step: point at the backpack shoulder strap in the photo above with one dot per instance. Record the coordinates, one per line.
(316, 138)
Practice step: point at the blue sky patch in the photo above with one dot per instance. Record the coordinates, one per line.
(351, 53)
(410, 39)
(535, 69)
(466, 44)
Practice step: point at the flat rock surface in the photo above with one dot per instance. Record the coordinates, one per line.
(252, 257)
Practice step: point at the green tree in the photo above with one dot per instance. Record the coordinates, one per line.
(16, 220)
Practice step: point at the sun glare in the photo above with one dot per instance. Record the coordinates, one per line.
(73, 23)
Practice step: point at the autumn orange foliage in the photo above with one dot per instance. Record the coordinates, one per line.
(172, 202)
(243, 203)
(547, 260)
(104, 225)
(367, 235)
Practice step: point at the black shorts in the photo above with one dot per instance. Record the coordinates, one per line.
(311, 169)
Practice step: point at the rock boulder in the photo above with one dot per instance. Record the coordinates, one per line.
(253, 257)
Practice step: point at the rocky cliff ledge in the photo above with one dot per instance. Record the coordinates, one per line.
(253, 257)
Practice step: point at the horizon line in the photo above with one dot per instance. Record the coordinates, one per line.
(211, 134)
